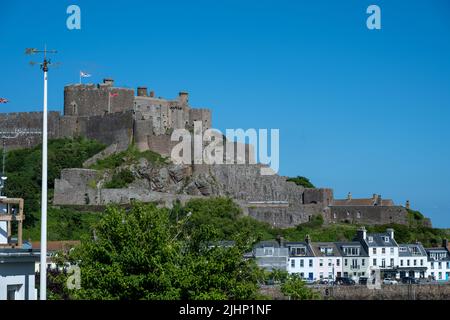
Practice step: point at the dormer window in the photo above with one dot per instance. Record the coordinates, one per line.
(370, 239)
(268, 251)
(386, 239)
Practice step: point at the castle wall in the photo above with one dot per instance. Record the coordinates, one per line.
(28, 122)
(368, 214)
(92, 100)
(313, 195)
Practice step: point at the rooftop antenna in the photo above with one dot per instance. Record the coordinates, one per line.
(43, 267)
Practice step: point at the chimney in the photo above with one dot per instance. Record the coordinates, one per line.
(361, 233)
(280, 241)
(142, 91)
(183, 97)
(349, 196)
(308, 239)
(445, 243)
(407, 206)
(379, 201)
(390, 231)
(152, 94)
(109, 82)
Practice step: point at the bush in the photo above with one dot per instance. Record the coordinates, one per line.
(120, 180)
(301, 181)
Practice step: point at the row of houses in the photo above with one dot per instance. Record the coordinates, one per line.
(355, 259)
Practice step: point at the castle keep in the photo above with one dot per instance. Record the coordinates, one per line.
(118, 117)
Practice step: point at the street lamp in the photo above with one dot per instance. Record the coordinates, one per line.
(43, 270)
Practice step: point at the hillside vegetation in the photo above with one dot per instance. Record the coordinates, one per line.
(221, 215)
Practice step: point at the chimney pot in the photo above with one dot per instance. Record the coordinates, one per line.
(142, 91)
(109, 81)
(152, 94)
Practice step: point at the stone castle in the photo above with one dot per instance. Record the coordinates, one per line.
(117, 117)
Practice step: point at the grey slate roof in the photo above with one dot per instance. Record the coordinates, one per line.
(378, 240)
(317, 245)
(309, 251)
(362, 250)
(410, 247)
(440, 249)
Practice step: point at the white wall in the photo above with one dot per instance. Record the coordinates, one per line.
(18, 273)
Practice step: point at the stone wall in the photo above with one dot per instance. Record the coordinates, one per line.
(28, 122)
(368, 214)
(318, 195)
(93, 100)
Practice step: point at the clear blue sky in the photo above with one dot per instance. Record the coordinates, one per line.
(358, 110)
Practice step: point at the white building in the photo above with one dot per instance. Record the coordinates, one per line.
(412, 261)
(301, 259)
(17, 277)
(382, 250)
(328, 261)
(355, 260)
(270, 255)
(439, 262)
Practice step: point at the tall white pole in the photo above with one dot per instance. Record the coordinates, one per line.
(43, 274)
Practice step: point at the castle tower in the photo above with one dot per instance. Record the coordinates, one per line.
(407, 205)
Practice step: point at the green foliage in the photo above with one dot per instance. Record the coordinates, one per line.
(415, 215)
(129, 156)
(301, 181)
(120, 179)
(296, 289)
(23, 168)
(64, 224)
(146, 254)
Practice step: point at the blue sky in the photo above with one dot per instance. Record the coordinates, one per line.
(358, 110)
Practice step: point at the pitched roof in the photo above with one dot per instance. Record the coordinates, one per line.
(379, 240)
(410, 250)
(56, 245)
(341, 245)
(316, 246)
(309, 251)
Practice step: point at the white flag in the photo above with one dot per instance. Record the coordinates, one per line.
(84, 74)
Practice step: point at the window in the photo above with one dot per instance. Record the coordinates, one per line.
(321, 262)
(329, 262)
(386, 239)
(383, 250)
(338, 262)
(330, 275)
(383, 263)
(370, 239)
(292, 263)
(415, 262)
(374, 250)
(268, 251)
(421, 262)
(407, 262)
(392, 262)
(402, 249)
(392, 250)
(11, 291)
(374, 262)
(345, 262)
(301, 263)
(440, 265)
(310, 262)
(302, 275)
(432, 266)
(401, 263)
(440, 275)
(321, 275)
(363, 262)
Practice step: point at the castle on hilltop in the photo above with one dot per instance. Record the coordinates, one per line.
(110, 115)
(118, 118)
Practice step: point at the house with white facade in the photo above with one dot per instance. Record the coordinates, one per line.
(382, 250)
(271, 255)
(355, 260)
(301, 259)
(439, 262)
(412, 261)
(17, 276)
(328, 261)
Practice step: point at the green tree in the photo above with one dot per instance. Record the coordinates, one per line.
(296, 289)
(301, 181)
(143, 253)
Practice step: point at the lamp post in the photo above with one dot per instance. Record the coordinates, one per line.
(43, 270)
